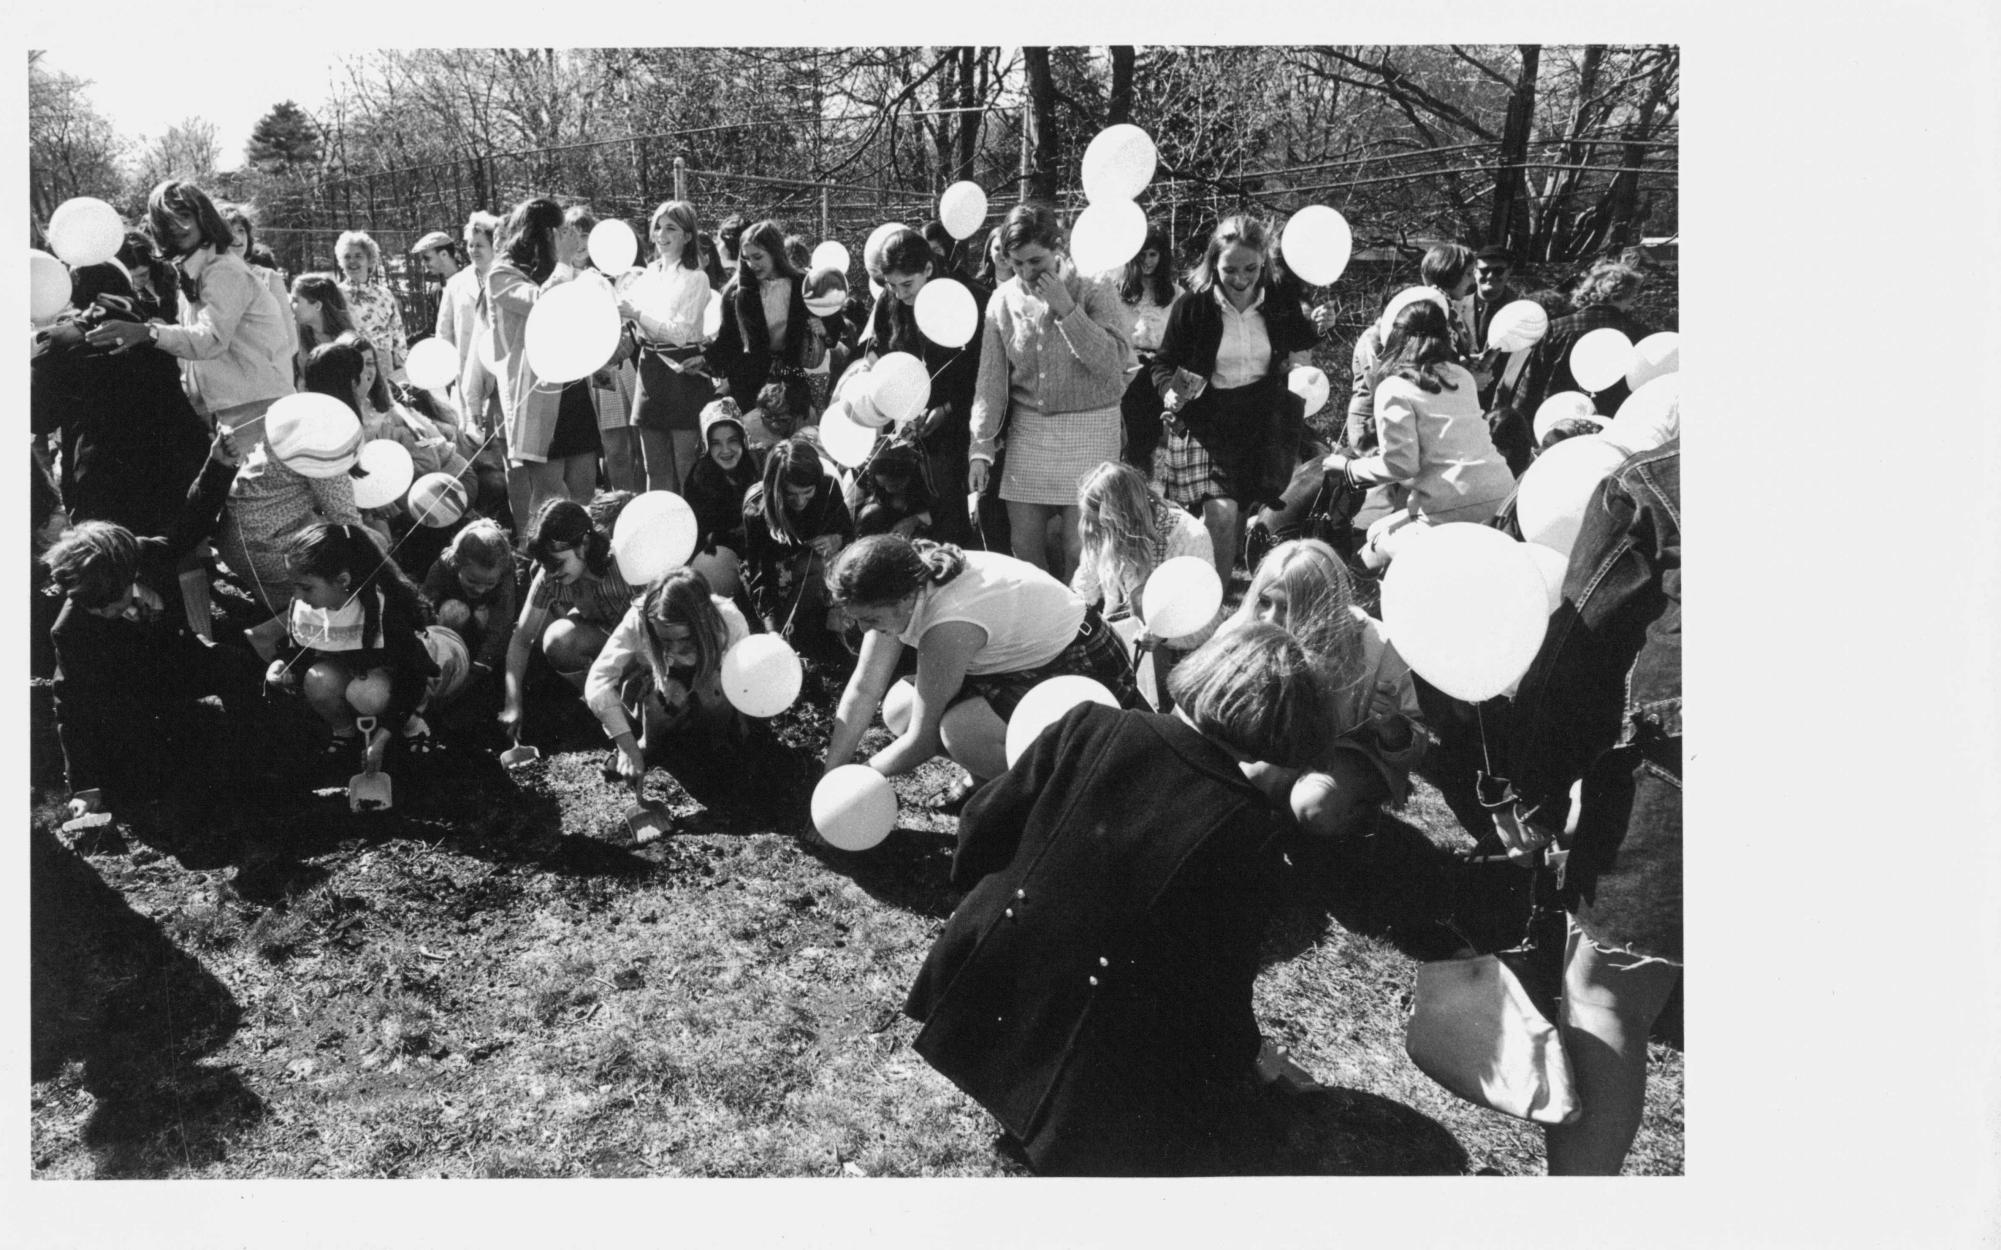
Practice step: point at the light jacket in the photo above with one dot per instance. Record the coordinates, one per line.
(236, 336)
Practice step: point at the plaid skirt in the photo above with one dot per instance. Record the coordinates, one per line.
(1048, 455)
(1190, 475)
(1095, 652)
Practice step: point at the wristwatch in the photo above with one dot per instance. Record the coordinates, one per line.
(153, 331)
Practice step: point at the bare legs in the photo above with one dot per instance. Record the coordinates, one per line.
(1028, 525)
(1610, 1003)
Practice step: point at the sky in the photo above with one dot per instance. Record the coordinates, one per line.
(125, 87)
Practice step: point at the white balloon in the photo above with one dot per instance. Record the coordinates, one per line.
(1562, 406)
(437, 500)
(1649, 416)
(1552, 564)
(1519, 324)
(825, 289)
(386, 472)
(946, 312)
(1316, 244)
(1107, 235)
(872, 250)
(432, 364)
(572, 331)
(1044, 705)
(853, 811)
(1117, 166)
(899, 386)
(1554, 493)
(831, 255)
(1465, 607)
(712, 315)
(846, 440)
(85, 231)
(654, 535)
(962, 208)
(1181, 597)
(1600, 358)
(1654, 356)
(48, 286)
(721, 570)
(613, 247)
(1311, 385)
(898, 706)
(875, 289)
(762, 675)
(313, 434)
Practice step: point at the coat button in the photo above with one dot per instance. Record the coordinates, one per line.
(1021, 893)
(1009, 913)
(1094, 980)
(1103, 962)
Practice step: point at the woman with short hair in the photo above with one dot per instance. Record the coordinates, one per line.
(1052, 369)
(366, 286)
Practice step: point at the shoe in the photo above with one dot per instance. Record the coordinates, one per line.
(952, 801)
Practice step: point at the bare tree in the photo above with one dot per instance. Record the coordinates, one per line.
(72, 148)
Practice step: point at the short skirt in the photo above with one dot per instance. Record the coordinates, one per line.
(1048, 454)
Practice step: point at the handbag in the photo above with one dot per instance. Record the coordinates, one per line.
(1476, 1029)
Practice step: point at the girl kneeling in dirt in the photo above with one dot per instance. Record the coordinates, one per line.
(987, 628)
(663, 667)
(576, 599)
(361, 636)
(1093, 989)
(1304, 588)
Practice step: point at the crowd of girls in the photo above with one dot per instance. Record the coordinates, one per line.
(1093, 428)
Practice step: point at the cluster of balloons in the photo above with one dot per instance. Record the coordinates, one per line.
(1112, 228)
(1467, 605)
(654, 535)
(1316, 244)
(1605, 356)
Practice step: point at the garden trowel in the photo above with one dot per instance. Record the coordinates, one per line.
(517, 755)
(645, 820)
(368, 790)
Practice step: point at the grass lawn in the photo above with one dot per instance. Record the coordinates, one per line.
(492, 980)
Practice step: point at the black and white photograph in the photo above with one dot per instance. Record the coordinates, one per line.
(1094, 625)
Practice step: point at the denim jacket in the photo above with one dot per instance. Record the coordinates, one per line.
(1609, 672)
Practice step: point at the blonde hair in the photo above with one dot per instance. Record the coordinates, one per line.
(1319, 596)
(348, 237)
(1118, 520)
(481, 542)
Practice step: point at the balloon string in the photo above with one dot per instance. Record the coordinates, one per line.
(388, 555)
(1485, 759)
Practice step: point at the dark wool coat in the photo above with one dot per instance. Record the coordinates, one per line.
(1093, 990)
(131, 442)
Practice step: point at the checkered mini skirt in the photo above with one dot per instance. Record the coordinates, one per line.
(1048, 454)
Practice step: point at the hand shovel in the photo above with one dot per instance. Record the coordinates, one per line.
(646, 821)
(517, 755)
(368, 790)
